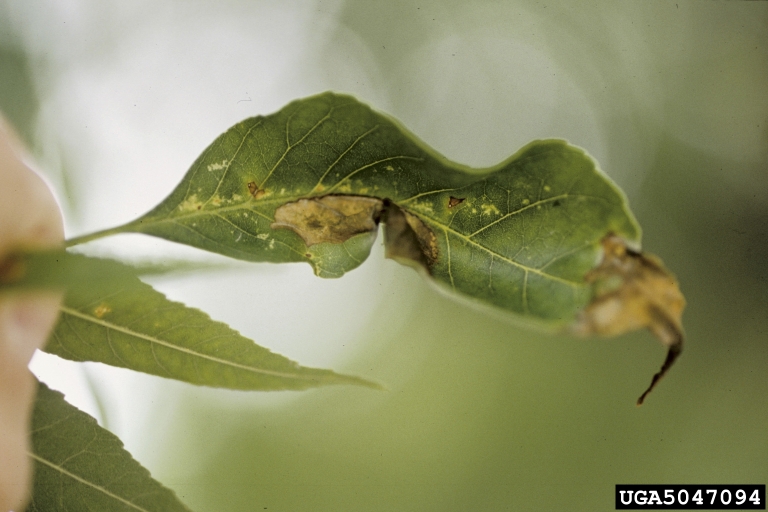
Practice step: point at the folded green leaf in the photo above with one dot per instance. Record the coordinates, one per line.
(81, 466)
(126, 323)
(520, 236)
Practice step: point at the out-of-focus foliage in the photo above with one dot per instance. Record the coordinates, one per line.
(19, 102)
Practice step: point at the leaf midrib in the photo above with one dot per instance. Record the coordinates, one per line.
(83, 481)
(432, 220)
(467, 238)
(152, 339)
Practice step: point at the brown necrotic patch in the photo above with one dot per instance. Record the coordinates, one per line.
(632, 290)
(329, 219)
(455, 201)
(407, 239)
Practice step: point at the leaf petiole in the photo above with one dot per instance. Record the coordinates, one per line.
(97, 235)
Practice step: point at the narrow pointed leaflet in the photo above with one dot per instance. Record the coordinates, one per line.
(124, 322)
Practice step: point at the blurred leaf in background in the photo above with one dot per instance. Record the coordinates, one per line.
(18, 100)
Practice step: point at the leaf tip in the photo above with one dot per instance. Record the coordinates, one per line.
(359, 381)
(672, 354)
(632, 290)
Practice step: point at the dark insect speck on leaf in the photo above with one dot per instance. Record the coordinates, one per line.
(556, 203)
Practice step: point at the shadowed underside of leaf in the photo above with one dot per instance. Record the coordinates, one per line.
(126, 323)
(81, 466)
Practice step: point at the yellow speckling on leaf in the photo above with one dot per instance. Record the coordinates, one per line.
(526, 202)
(490, 209)
(262, 236)
(218, 166)
(191, 204)
(101, 310)
(423, 207)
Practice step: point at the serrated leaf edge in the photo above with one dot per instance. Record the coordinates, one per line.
(83, 481)
(152, 339)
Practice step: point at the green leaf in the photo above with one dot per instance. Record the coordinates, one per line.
(126, 323)
(81, 466)
(59, 269)
(520, 236)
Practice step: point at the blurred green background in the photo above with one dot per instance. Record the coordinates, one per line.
(671, 97)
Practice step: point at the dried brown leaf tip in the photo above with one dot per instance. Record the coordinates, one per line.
(329, 219)
(407, 239)
(632, 290)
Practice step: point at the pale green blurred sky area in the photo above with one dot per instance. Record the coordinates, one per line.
(118, 98)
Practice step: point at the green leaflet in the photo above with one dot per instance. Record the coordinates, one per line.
(60, 269)
(124, 322)
(81, 466)
(520, 236)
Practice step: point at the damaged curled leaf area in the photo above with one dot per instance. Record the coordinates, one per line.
(335, 219)
(632, 290)
(408, 240)
(329, 219)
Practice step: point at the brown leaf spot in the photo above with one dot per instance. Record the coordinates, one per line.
(255, 191)
(329, 219)
(407, 239)
(455, 201)
(633, 290)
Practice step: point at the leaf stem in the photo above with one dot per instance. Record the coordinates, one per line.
(96, 235)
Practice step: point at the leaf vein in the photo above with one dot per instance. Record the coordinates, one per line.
(290, 146)
(361, 137)
(388, 159)
(152, 339)
(231, 161)
(83, 481)
(520, 210)
(466, 238)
